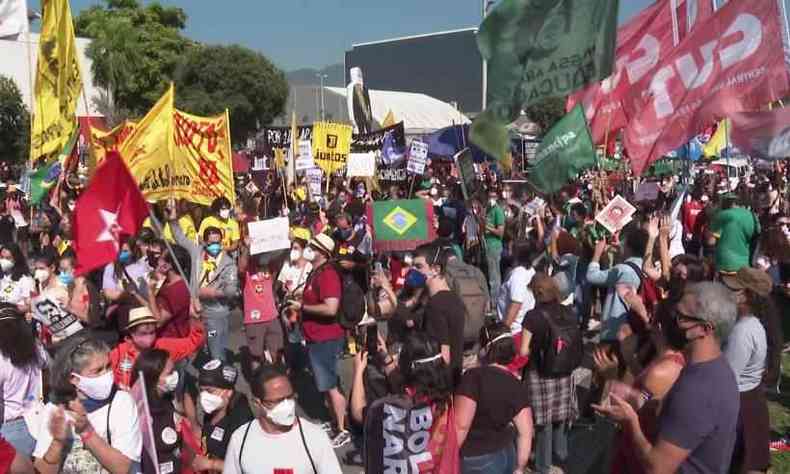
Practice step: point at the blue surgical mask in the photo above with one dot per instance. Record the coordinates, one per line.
(124, 257)
(415, 279)
(67, 278)
(214, 249)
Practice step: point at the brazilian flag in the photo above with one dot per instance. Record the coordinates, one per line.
(401, 225)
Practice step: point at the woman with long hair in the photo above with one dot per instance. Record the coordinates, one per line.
(488, 399)
(16, 284)
(22, 360)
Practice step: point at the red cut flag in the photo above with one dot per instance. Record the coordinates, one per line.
(111, 209)
(762, 134)
(734, 61)
(640, 44)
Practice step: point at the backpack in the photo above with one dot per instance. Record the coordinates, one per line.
(469, 283)
(352, 299)
(564, 347)
(648, 290)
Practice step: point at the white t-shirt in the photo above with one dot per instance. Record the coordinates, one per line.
(516, 290)
(124, 427)
(291, 276)
(15, 291)
(266, 453)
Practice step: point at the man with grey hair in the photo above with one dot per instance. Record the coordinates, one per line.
(698, 420)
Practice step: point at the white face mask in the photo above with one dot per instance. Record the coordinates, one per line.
(171, 382)
(434, 192)
(492, 202)
(283, 414)
(97, 388)
(41, 275)
(210, 402)
(72, 207)
(224, 213)
(308, 254)
(295, 255)
(6, 264)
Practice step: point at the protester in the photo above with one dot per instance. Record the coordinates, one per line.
(292, 444)
(170, 299)
(488, 399)
(515, 297)
(494, 232)
(122, 277)
(262, 326)
(734, 231)
(88, 424)
(220, 219)
(16, 284)
(51, 305)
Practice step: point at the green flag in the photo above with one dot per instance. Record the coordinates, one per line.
(538, 49)
(401, 225)
(42, 180)
(566, 151)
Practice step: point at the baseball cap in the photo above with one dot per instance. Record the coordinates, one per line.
(216, 373)
(752, 279)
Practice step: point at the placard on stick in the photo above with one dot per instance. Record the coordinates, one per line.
(268, 235)
(616, 215)
(418, 157)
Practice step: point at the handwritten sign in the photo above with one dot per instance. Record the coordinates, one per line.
(305, 159)
(268, 235)
(616, 214)
(418, 157)
(314, 177)
(361, 164)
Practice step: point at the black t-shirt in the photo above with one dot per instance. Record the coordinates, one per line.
(215, 438)
(7, 226)
(535, 322)
(444, 320)
(500, 397)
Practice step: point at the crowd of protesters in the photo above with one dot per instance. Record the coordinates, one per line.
(477, 352)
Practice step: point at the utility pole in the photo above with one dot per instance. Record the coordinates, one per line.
(485, 5)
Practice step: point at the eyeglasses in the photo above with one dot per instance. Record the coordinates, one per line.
(679, 316)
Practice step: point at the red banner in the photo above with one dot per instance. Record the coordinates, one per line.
(762, 134)
(732, 62)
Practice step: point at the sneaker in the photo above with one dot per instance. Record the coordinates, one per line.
(342, 438)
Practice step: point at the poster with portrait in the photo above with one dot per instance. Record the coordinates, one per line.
(616, 214)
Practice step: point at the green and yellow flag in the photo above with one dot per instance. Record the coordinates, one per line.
(401, 225)
(58, 82)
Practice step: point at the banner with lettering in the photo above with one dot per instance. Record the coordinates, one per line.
(103, 142)
(274, 142)
(743, 67)
(640, 44)
(203, 145)
(331, 145)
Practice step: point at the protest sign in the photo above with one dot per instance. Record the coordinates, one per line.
(305, 159)
(331, 145)
(361, 164)
(58, 320)
(616, 214)
(647, 191)
(268, 235)
(138, 394)
(418, 157)
(314, 177)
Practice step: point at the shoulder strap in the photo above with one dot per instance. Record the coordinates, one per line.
(304, 443)
(636, 270)
(109, 409)
(244, 440)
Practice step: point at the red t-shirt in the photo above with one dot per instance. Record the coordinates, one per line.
(326, 284)
(691, 211)
(7, 454)
(258, 299)
(174, 298)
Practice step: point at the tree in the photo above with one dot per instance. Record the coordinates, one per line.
(135, 50)
(214, 78)
(14, 123)
(547, 112)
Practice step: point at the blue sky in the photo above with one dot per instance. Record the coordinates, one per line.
(316, 33)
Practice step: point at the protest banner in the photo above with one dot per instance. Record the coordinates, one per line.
(305, 159)
(418, 157)
(314, 177)
(331, 145)
(361, 164)
(103, 142)
(268, 235)
(616, 214)
(762, 134)
(140, 398)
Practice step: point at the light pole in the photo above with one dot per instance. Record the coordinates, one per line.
(323, 106)
(486, 5)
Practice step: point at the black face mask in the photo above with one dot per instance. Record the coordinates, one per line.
(676, 336)
(675, 288)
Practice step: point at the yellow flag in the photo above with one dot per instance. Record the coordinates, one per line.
(103, 142)
(718, 141)
(202, 146)
(331, 145)
(149, 155)
(58, 82)
(389, 120)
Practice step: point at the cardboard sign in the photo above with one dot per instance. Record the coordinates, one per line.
(144, 416)
(616, 214)
(418, 157)
(361, 164)
(268, 235)
(305, 159)
(314, 177)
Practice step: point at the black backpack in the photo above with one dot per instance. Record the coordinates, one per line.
(563, 351)
(352, 299)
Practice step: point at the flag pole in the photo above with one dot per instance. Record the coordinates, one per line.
(158, 227)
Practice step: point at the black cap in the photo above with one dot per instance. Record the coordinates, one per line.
(216, 373)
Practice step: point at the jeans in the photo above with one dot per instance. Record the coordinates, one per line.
(551, 443)
(217, 337)
(493, 258)
(17, 434)
(498, 462)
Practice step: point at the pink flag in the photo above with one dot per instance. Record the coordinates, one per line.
(762, 134)
(732, 62)
(641, 43)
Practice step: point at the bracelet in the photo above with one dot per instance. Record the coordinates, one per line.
(86, 435)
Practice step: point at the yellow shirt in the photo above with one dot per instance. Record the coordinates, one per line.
(230, 229)
(185, 222)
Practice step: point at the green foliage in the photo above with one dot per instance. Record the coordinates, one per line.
(14, 123)
(135, 50)
(214, 78)
(547, 113)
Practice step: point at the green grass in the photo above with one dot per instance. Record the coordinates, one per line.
(779, 411)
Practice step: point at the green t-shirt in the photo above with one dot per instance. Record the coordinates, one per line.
(734, 228)
(495, 217)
